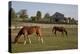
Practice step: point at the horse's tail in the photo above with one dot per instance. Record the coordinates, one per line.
(17, 37)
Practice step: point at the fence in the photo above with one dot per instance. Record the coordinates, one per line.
(42, 25)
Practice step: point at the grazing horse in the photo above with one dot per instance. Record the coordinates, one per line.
(60, 29)
(28, 30)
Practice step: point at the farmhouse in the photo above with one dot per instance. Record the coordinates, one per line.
(58, 17)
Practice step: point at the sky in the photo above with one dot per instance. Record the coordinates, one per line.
(67, 9)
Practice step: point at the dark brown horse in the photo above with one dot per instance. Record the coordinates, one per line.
(28, 30)
(60, 29)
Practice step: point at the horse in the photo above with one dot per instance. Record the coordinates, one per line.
(28, 30)
(59, 29)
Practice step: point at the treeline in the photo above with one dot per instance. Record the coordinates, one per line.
(57, 17)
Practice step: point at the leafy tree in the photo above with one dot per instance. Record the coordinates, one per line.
(33, 18)
(51, 20)
(47, 15)
(73, 20)
(23, 14)
(69, 19)
(38, 15)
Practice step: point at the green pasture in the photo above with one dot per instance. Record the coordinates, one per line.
(51, 42)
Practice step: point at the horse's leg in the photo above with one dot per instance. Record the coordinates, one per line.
(40, 37)
(42, 40)
(55, 33)
(62, 33)
(24, 39)
(29, 39)
(66, 33)
(17, 37)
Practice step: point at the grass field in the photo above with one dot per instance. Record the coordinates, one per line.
(51, 42)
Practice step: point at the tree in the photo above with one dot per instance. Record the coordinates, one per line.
(23, 14)
(13, 13)
(38, 15)
(73, 21)
(69, 19)
(33, 18)
(53, 19)
(47, 15)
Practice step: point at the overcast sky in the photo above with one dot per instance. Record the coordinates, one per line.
(32, 8)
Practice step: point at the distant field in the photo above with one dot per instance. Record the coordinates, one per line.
(51, 42)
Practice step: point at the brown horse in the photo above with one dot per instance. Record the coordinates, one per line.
(28, 30)
(60, 29)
